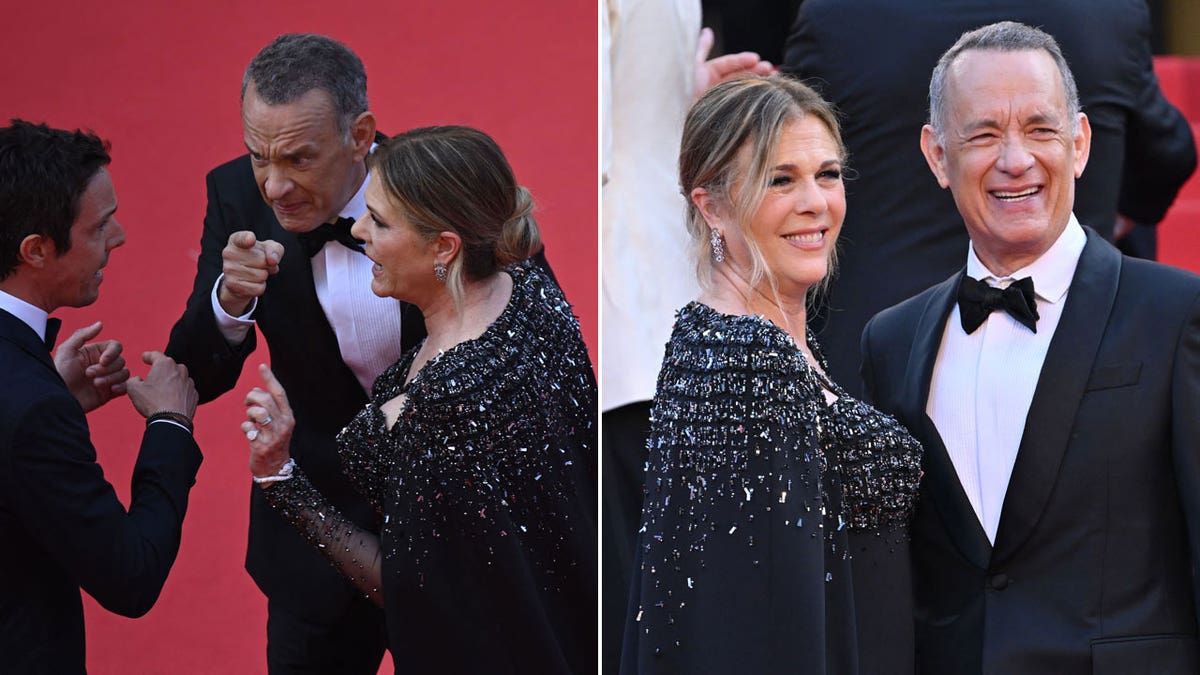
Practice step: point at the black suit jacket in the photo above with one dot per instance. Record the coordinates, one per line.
(61, 523)
(1092, 566)
(902, 234)
(323, 391)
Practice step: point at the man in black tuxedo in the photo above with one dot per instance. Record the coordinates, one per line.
(61, 523)
(1059, 514)
(902, 233)
(276, 253)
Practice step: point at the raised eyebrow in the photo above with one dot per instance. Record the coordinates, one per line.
(105, 216)
(1043, 119)
(980, 125)
(300, 152)
(375, 216)
(792, 167)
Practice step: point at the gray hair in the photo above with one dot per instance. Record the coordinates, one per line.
(1004, 36)
(296, 63)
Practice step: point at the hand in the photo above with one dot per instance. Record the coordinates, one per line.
(268, 426)
(1122, 227)
(247, 264)
(711, 72)
(166, 387)
(95, 373)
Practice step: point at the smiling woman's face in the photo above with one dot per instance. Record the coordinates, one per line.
(797, 224)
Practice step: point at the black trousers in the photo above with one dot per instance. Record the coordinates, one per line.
(623, 457)
(350, 644)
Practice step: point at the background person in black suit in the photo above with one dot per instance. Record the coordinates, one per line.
(1059, 514)
(902, 233)
(266, 261)
(62, 525)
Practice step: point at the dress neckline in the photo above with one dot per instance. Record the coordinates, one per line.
(764, 323)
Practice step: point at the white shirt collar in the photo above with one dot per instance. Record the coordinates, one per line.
(357, 206)
(1051, 272)
(34, 317)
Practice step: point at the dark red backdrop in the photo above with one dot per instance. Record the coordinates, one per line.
(161, 81)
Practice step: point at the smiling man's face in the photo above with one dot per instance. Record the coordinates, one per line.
(1010, 153)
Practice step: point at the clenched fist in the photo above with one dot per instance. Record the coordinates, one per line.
(247, 265)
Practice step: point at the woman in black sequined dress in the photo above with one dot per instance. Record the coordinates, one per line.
(774, 528)
(478, 448)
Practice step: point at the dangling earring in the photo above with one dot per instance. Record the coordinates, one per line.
(718, 245)
(439, 271)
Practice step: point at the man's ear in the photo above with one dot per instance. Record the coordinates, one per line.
(1082, 144)
(362, 134)
(935, 155)
(36, 250)
(446, 247)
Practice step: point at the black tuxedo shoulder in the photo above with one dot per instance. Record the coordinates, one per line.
(907, 312)
(1157, 299)
(235, 179)
(1164, 280)
(238, 167)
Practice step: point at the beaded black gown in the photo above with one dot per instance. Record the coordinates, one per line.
(774, 526)
(485, 486)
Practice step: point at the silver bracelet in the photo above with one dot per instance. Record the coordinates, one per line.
(285, 473)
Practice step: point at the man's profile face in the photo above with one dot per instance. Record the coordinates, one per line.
(1008, 153)
(305, 166)
(77, 274)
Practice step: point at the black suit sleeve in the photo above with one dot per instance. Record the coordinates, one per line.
(867, 368)
(1160, 153)
(196, 341)
(120, 558)
(1185, 434)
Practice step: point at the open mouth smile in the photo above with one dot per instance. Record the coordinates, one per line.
(1016, 196)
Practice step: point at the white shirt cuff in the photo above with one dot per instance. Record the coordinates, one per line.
(232, 328)
(171, 422)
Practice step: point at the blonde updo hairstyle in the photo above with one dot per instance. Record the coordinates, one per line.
(728, 142)
(456, 179)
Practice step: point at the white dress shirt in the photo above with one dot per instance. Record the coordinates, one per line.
(33, 316)
(983, 383)
(367, 326)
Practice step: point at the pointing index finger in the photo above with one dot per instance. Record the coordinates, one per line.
(243, 239)
(275, 389)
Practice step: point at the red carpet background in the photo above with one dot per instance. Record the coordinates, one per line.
(161, 81)
(1179, 232)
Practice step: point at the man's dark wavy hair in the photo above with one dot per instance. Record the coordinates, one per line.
(43, 174)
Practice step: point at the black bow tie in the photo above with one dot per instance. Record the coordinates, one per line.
(314, 240)
(976, 300)
(52, 326)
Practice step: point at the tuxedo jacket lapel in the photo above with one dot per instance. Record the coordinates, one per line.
(941, 479)
(1060, 388)
(19, 333)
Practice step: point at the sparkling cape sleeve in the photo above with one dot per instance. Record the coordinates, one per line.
(731, 571)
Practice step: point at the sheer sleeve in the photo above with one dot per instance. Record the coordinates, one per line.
(355, 552)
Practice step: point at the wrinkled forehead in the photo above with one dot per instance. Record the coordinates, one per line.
(1000, 84)
(309, 119)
